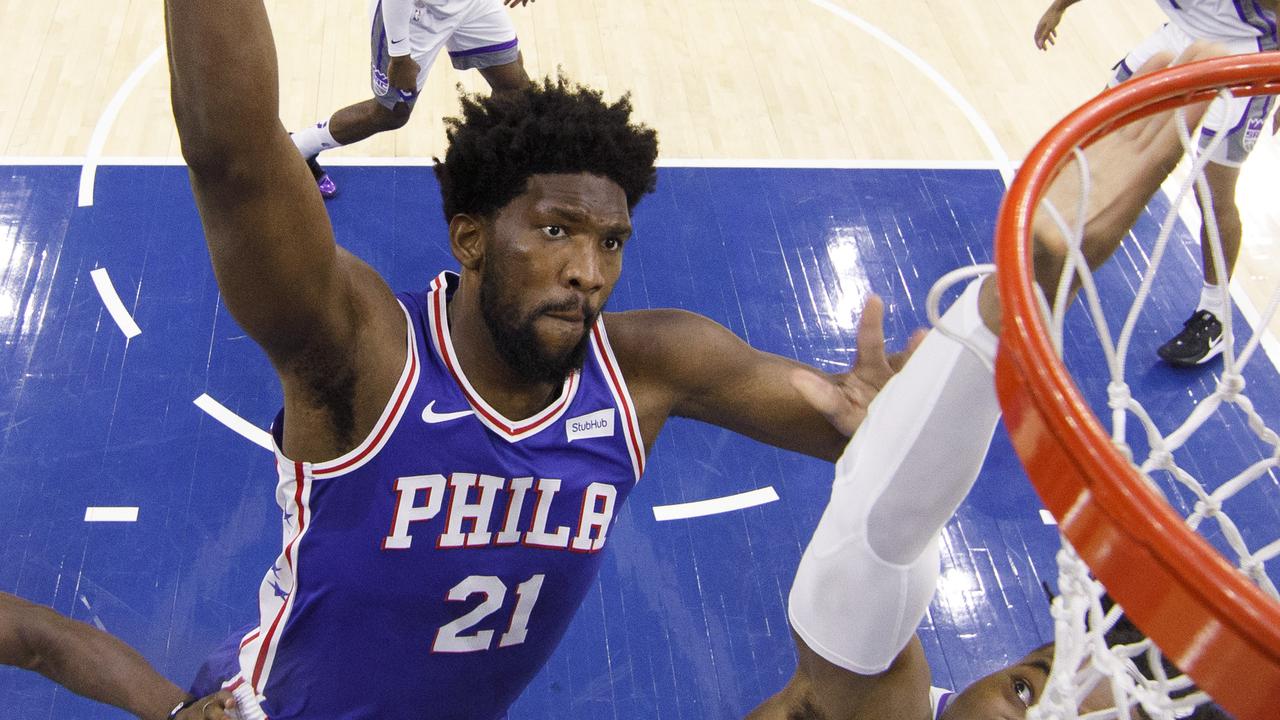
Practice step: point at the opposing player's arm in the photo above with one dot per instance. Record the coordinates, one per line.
(86, 661)
(278, 267)
(1047, 28)
(683, 364)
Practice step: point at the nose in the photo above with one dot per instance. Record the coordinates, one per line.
(585, 268)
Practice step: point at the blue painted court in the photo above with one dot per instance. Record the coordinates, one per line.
(688, 617)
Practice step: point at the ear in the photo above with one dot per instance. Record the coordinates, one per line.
(467, 240)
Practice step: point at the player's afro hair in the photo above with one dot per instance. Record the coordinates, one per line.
(554, 126)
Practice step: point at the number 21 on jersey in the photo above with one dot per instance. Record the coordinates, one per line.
(453, 637)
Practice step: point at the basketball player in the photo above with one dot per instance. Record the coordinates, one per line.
(1241, 26)
(451, 461)
(93, 664)
(867, 576)
(405, 38)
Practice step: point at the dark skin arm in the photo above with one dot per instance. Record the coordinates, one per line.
(1126, 168)
(1047, 28)
(307, 302)
(679, 363)
(91, 663)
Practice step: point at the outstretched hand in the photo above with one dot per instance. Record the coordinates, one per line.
(1047, 28)
(843, 399)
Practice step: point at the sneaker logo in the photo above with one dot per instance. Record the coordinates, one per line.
(429, 415)
(592, 425)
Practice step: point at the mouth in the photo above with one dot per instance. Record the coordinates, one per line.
(573, 317)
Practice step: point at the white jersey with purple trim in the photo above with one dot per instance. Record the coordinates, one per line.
(1223, 20)
(938, 700)
(432, 570)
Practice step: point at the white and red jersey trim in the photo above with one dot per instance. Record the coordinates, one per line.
(387, 422)
(258, 649)
(511, 430)
(618, 386)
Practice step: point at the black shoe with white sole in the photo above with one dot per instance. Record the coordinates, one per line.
(1199, 342)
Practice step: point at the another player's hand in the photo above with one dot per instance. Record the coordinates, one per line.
(218, 706)
(1047, 28)
(844, 399)
(402, 73)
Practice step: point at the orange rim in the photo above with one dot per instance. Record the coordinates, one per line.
(1206, 616)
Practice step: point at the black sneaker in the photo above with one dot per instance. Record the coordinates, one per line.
(327, 187)
(1199, 342)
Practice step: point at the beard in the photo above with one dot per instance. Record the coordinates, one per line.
(516, 338)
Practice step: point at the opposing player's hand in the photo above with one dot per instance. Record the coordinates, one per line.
(402, 73)
(218, 706)
(843, 399)
(1047, 28)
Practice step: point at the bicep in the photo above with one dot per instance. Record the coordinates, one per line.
(272, 247)
(728, 383)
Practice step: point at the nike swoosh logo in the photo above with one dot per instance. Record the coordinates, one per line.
(431, 416)
(393, 42)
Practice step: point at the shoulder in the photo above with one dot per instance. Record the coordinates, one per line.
(670, 347)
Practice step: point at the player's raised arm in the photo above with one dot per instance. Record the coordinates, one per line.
(273, 251)
(696, 368)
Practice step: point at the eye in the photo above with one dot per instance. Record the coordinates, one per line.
(612, 243)
(554, 231)
(1024, 691)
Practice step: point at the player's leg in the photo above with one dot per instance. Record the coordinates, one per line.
(508, 77)
(486, 41)
(1241, 121)
(390, 107)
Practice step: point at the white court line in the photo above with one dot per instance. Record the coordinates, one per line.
(111, 514)
(237, 424)
(89, 171)
(714, 506)
(111, 300)
(747, 163)
(985, 133)
(1047, 518)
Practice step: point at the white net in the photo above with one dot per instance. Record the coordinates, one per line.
(1128, 674)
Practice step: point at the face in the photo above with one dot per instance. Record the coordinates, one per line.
(551, 259)
(1006, 694)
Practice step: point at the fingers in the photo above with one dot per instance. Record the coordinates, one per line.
(218, 706)
(871, 334)
(827, 399)
(899, 359)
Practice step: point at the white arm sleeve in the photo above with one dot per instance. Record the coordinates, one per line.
(395, 22)
(867, 576)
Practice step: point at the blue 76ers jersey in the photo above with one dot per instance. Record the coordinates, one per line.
(432, 570)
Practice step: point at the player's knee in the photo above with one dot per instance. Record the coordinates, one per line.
(395, 118)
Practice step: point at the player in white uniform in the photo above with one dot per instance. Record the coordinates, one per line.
(1240, 26)
(866, 579)
(405, 37)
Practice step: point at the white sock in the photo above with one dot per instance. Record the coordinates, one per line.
(314, 139)
(1214, 299)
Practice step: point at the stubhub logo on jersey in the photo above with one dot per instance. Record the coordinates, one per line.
(592, 425)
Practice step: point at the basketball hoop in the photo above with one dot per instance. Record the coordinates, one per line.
(1199, 608)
